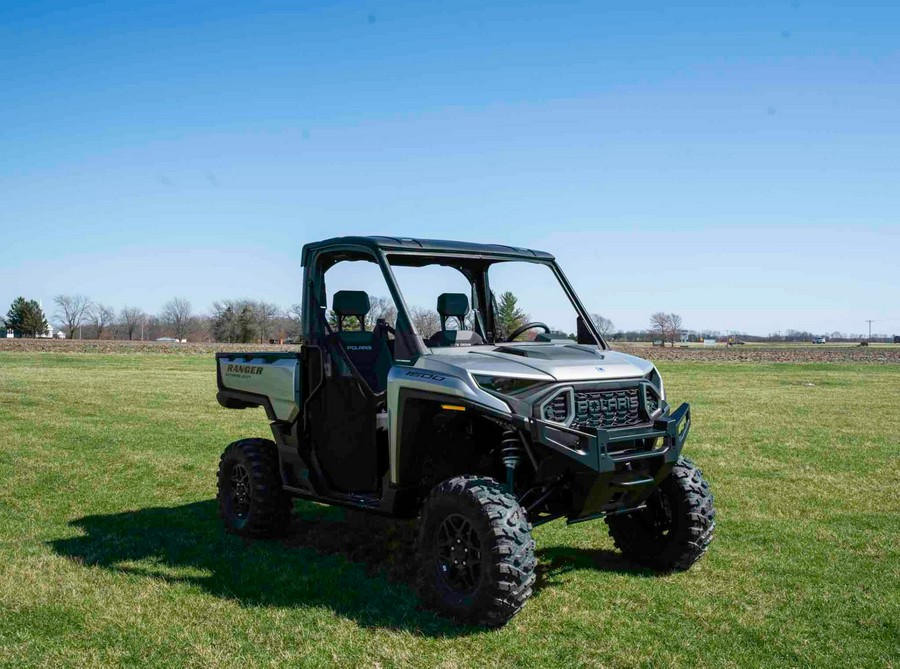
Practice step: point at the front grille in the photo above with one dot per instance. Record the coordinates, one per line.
(606, 408)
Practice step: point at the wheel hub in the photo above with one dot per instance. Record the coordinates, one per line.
(240, 491)
(458, 554)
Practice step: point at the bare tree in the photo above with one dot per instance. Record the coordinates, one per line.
(426, 321)
(152, 327)
(70, 310)
(101, 317)
(380, 308)
(659, 324)
(130, 319)
(674, 328)
(666, 326)
(177, 314)
(604, 326)
(263, 314)
(295, 316)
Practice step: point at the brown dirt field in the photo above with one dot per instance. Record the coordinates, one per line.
(755, 353)
(108, 346)
(763, 353)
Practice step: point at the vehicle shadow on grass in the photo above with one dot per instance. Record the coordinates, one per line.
(360, 566)
(555, 561)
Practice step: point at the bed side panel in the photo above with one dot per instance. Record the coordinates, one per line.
(276, 378)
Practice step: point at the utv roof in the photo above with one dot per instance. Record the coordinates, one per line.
(425, 247)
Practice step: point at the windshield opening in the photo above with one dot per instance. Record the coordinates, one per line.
(470, 301)
(524, 293)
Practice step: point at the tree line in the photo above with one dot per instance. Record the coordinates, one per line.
(229, 320)
(243, 321)
(258, 321)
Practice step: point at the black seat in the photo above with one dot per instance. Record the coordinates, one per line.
(368, 351)
(454, 305)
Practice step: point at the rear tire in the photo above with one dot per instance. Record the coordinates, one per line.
(475, 551)
(251, 499)
(675, 528)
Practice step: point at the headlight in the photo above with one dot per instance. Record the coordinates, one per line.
(654, 395)
(654, 378)
(505, 385)
(652, 403)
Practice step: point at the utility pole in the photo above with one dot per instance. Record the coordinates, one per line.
(870, 329)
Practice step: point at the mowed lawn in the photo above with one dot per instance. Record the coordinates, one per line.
(111, 553)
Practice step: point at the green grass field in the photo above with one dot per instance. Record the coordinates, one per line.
(111, 553)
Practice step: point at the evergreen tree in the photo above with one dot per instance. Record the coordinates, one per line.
(223, 326)
(15, 317)
(245, 331)
(34, 323)
(351, 323)
(234, 321)
(509, 316)
(26, 318)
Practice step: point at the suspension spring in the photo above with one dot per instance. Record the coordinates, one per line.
(511, 455)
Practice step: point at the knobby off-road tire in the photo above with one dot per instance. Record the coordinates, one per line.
(675, 529)
(475, 551)
(251, 500)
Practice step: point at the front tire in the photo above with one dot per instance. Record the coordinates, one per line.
(475, 551)
(252, 502)
(675, 528)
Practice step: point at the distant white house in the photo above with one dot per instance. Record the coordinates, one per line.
(172, 339)
(49, 334)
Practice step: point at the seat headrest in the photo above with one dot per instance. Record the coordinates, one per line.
(453, 304)
(351, 303)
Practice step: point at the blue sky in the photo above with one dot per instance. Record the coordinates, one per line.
(736, 164)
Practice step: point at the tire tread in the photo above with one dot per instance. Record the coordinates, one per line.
(512, 549)
(270, 508)
(692, 494)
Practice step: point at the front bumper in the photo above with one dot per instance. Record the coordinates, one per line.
(598, 451)
(621, 467)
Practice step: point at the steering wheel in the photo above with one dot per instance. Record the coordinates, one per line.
(527, 326)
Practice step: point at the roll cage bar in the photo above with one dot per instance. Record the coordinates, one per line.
(472, 260)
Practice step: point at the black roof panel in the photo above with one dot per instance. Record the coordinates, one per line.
(427, 246)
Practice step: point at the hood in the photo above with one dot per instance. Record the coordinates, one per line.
(545, 361)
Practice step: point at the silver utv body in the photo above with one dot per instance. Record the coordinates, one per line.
(585, 415)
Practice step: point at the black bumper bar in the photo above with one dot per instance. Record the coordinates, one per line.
(594, 449)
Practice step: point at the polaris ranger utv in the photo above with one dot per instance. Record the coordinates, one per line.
(479, 434)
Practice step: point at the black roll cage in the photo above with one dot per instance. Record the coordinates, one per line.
(472, 260)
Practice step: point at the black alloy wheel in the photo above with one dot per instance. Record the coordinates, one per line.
(240, 491)
(458, 554)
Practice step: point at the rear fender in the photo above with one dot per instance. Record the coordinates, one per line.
(269, 380)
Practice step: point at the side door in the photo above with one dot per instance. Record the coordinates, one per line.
(339, 420)
(340, 409)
